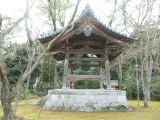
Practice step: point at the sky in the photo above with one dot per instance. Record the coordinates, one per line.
(16, 8)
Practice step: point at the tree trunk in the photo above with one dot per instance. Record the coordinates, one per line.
(120, 71)
(148, 92)
(145, 101)
(5, 94)
(145, 93)
(6, 105)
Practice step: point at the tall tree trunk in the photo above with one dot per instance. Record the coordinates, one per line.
(5, 94)
(120, 71)
(148, 91)
(148, 66)
(144, 81)
(6, 105)
(137, 82)
(145, 93)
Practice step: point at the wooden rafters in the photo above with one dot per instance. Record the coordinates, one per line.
(100, 35)
(97, 30)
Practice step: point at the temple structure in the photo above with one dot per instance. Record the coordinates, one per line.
(86, 44)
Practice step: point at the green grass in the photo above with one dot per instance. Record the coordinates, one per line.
(29, 110)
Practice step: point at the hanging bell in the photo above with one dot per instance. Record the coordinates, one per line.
(85, 64)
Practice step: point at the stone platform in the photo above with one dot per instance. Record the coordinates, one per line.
(86, 100)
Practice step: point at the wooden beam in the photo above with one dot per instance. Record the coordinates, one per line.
(87, 41)
(105, 35)
(86, 51)
(69, 34)
(91, 77)
(76, 65)
(86, 59)
(84, 77)
(95, 28)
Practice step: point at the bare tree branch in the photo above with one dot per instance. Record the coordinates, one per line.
(7, 31)
(14, 24)
(52, 14)
(113, 14)
(65, 29)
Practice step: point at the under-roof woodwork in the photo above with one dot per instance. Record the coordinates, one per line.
(87, 40)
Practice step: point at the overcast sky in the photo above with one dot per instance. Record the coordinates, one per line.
(16, 8)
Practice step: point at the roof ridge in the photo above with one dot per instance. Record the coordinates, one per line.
(87, 11)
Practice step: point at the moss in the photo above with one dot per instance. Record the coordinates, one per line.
(42, 101)
(29, 110)
(120, 108)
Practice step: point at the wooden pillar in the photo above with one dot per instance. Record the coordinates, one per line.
(69, 73)
(69, 69)
(64, 86)
(100, 73)
(56, 85)
(107, 67)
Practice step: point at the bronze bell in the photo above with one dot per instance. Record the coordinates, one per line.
(85, 64)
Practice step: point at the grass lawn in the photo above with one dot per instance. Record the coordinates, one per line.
(30, 111)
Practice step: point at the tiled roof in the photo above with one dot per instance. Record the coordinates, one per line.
(85, 13)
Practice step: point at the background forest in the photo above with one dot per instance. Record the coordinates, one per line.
(139, 62)
(31, 71)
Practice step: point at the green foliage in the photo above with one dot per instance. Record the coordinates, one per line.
(129, 84)
(113, 74)
(155, 87)
(24, 93)
(47, 74)
(90, 84)
(87, 84)
(42, 88)
(129, 79)
(16, 64)
(93, 71)
(55, 9)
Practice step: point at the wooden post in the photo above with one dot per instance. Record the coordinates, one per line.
(64, 86)
(56, 85)
(100, 73)
(69, 73)
(69, 68)
(107, 70)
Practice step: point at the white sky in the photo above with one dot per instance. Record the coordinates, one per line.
(16, 8)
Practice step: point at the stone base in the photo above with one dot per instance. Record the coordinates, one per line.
(86, 100)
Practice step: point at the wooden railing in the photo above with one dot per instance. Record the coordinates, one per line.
(91, 77)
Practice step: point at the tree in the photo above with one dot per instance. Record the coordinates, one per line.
(139, 20)
(16, 62)
(55, 10)
(7, 93)
(6, 97)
